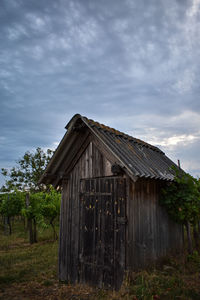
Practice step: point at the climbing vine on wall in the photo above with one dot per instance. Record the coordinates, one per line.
(182, 201)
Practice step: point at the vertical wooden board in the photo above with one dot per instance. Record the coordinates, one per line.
(98, 215)
(101, 164)
(158, 220)
(149, 207)
(101, 230)
(61, 264)
(98, 234)
(93, 229)
(62, 237)
(94, 162)
(72, 242)
(157, 230)
(154, 224)
(161, 238)
(141, 224)
(78, 209)
(75, 223)
(65, 231)
(73, 227)
(102, 211)
(107, 167)
(90, 161)
(83, 165)
(150, 247)
(164, 233)
(69, 227)
(108, 236)
(95, 236)
(148, 238)
(120, 212)
(137, 224)
(131, 223)
(87, 163)
(137, 216)
(81, 221)
(128, 233)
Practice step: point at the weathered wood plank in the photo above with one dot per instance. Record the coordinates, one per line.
(62, 236)
(151, 234)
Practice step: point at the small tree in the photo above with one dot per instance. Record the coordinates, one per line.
(32, 212)
(42, 209)
(49, 207)
(29, 169)
(182, 201)
(11, 206)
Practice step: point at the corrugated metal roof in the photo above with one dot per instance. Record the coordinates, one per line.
(141, 158)
(138, 158)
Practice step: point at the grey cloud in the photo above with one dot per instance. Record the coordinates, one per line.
(132, 65)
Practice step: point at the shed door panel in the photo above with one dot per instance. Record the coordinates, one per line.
(102, 231)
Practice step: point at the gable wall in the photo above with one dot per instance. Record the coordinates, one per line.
(92, 163)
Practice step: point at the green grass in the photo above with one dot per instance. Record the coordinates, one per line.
(30, 272)
(22, 262)
(158, 285)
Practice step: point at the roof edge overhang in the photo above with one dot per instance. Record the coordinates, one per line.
(48, 172)
(73, 120)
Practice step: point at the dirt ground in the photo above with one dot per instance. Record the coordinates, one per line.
(52, 291)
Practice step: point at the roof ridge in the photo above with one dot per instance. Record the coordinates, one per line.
(120, 133)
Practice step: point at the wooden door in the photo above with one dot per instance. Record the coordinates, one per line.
(102, 231)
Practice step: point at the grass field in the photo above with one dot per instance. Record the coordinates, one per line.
(30, 272)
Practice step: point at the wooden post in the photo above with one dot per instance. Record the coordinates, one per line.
(187, 227)
(199, 229)
(196, 238)
(189, 237)
(30, 227)
(179, 165)
(34, 231)
(7, 224)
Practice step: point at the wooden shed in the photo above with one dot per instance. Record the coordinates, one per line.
(111, 220)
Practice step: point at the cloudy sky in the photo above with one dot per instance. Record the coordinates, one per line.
(132, 65)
